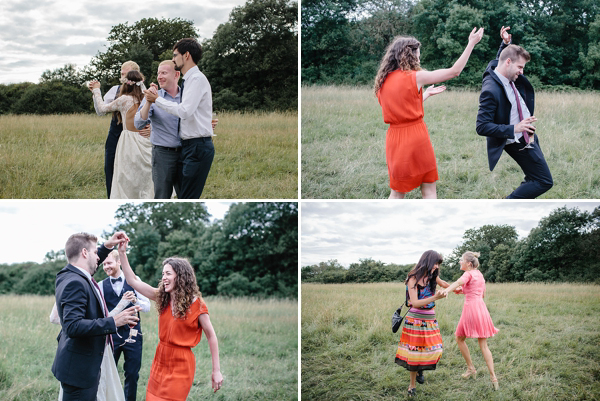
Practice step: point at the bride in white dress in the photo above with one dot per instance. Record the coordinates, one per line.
(132, 177)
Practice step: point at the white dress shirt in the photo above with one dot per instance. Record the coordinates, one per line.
(117, 287)
(89, 277)
(514, 111)
(195, 109)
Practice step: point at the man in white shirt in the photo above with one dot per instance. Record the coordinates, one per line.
(195, 113)
(113, 288)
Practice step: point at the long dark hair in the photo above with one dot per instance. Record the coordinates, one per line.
(131, 89)
(425, 269)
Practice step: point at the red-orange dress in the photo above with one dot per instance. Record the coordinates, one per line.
(174, 364)
(408, 149)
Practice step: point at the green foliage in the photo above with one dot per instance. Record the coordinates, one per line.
(342, 37)
(565, 246)
(53, 97)
(252, 60)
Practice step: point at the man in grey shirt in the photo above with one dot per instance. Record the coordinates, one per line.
(166, 144)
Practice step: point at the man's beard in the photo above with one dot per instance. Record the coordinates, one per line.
(177, 67)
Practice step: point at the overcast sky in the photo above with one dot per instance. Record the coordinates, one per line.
(399, 232)
(30, 229)
(40, 35)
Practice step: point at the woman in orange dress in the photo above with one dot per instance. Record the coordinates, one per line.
(398, 86)
(183, 317)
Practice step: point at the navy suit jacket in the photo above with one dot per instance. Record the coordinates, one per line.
(84, 327)
(493, 118)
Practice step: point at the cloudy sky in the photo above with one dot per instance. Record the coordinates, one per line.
(40, 35)
(399, 232)
(30, 229)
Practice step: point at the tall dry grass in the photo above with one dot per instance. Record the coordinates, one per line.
(343, 145)
(63, 156)
(548, 346)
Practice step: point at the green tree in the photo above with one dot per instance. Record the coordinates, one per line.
(255, 57)
(68, 75)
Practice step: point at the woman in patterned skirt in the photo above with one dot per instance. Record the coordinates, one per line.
(420, 347)
(475, 320)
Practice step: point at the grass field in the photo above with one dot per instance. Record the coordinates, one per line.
(258, 347)
(548, 346)
(343, 146)
(56, 157)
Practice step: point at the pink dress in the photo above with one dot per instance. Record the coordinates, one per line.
(475, 321)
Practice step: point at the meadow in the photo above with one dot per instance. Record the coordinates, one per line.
(548, 346)
(343, 145)
(258, 347)
(62, 156)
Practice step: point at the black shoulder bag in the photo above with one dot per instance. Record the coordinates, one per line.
(397, 317)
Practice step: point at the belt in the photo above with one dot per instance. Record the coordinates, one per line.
(177, 149)
(193, 140)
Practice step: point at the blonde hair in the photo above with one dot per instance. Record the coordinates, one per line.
(471, 257)
(167, 62)
(115, 254)
(131, 64)
(401, 54)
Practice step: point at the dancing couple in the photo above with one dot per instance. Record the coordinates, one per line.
(505, 116)
(84, 363)
(152, 152)
(420, 347)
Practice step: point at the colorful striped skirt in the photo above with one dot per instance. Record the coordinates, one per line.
(420, 346)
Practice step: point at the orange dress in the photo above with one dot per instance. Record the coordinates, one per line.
(174, 364)
(408, 149)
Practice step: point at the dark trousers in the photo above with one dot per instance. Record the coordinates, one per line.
(537, 174)
(197, 156)
(72, 393)
(166, 171)
(110, 148)
(132, 364)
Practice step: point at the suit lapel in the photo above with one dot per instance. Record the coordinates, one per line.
(96, 295)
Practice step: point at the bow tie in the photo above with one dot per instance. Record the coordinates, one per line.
(114, 280)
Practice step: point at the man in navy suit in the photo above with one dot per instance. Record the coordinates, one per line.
(113, 289)
(506, 118)
(86, 326)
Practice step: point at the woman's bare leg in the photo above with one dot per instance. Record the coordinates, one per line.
(396, 195)
(413, 379)
(487, 355)
(464, 350)
(428, 190)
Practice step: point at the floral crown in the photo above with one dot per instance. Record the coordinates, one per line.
(138, 83)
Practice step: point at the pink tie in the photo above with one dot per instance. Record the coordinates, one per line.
(525, 134)
(109, 337)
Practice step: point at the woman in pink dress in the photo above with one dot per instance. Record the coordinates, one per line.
(475, 320)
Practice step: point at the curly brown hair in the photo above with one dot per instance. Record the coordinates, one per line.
(401, 54)
(184, 290)
(134, 90)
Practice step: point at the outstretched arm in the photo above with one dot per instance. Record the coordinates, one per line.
(137, 284)
(213, 344)
(433, 77)
(453, 286)
(441, 282)
(415, 302)
(430, 91)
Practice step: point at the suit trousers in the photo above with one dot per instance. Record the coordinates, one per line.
(166, 171)
(197, 155)
(132, 364)
(110, 148)
(72, 393)
(537, 174)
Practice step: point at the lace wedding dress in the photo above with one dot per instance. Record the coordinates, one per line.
(132, 177)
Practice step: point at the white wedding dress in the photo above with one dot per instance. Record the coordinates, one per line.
(132, 176)
(109, 387)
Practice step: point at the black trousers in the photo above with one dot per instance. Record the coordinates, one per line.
(537, 174)
(110, 147)
(132, 364)
(72, 393)
(197, 155)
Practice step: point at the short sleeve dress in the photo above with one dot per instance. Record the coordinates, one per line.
(408, 149)
(475, 320)
(174, 364)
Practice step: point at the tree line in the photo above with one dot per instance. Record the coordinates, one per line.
(564, 247)
(253, 251)
(251, 62)
(343, 41)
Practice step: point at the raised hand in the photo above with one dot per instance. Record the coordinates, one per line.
(93, 85)
(506, 37)
(475, 37)
(151, 95)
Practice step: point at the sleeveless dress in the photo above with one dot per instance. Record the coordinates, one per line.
(420, 346)
(475, 320)
(408, 149)
(132, 176)
(174, 364)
